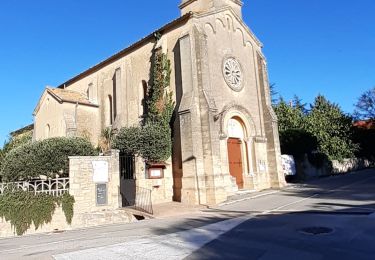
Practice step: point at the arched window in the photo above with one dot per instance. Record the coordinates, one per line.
(110, 110)
(116, 86)
(47, 131)
(144, 97)
(89, 92)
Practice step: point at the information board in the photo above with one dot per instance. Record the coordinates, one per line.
(100, 171)
(101, 194)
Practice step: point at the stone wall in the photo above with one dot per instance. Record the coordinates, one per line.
(348, 165)
(86, 211)
(161, 189)
(305, 170)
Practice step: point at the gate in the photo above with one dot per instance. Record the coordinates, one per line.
(133, 196)
(127, 166)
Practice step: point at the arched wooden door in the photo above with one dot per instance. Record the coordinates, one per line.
(235, 160)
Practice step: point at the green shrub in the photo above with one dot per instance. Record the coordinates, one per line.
(366, 140)
(297, 142)
(128, 140)
(48, 157)
(14, 142)
(153, 142)
(23, 208)
(319, 160)
(156, 143)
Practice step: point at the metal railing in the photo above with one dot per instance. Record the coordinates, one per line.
(140, 200)
(54, 187)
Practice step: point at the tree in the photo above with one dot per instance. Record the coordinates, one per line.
(48, 157)
(298, 104)
(332, 128)
(14, 142)
(106, 139)
(289, 116)
(273, 94)
(365, 106)
(128, 140)
(153, 140)
(297, 142)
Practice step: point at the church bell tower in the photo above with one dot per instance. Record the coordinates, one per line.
(202, 6)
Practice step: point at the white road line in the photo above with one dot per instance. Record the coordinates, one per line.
(249, 198)
(158, 237)
(172, 246)
(317, 194)
(289, 204)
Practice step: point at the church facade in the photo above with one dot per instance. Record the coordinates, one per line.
(225, 132)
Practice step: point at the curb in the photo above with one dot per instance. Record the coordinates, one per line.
(248, 198)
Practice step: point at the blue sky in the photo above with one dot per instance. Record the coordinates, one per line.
(320, 46)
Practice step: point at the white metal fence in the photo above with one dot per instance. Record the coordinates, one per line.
(55, 187)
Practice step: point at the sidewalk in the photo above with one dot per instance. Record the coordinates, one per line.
(248, 195)
(171, 209)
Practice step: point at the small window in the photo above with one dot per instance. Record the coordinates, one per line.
(47, 131)
(89, 92)
(116, 86)
(110, 110)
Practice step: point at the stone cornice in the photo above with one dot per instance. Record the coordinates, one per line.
(228, 8)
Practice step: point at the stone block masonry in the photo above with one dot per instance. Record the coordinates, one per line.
(86, 211)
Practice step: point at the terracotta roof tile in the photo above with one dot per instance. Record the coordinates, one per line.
(64, 95)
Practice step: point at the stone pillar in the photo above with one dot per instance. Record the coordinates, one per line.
(83, 188)
(275, 171)
(189, 130)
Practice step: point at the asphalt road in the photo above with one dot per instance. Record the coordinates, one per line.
(330, 218)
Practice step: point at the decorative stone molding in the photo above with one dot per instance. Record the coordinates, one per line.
(260, 139)
(234, 110)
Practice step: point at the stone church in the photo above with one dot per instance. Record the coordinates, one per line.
(225, 132)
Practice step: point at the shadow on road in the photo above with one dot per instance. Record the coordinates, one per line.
(345, 205)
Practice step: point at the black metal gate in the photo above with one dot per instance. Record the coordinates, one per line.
(127, 166)
(133, 196)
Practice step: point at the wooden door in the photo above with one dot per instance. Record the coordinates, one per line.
(235, 160)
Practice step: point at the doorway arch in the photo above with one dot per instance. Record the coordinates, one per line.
(238, 158)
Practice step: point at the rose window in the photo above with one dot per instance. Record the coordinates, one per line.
(233, 74)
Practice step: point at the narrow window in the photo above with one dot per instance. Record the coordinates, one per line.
(144, 97)
(116, 85)
(47, 131)
(89, 92)
(110, 110)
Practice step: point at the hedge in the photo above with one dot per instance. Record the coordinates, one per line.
(48, 157)
(153, 142)
(297, 142)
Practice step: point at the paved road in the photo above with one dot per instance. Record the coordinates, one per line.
(330, 218)
(325, 219)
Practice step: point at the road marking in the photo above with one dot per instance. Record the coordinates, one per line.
(289, 204)
(172, 246)
(249, 198)
(257, 196)
(317, 194)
